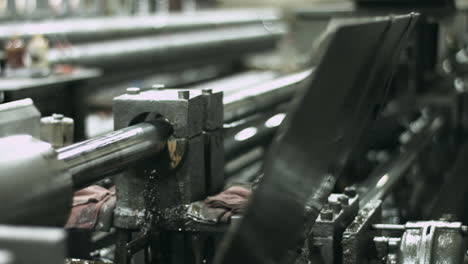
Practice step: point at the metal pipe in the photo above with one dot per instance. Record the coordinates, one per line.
(242, 103)
(384, 178)
(171, 49)
(93, 159)
(251, 134)
(238, 164)
(79, 30)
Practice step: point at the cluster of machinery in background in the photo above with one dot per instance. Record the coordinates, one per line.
(347, 122)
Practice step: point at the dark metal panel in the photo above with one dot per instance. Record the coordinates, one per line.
(324, 123)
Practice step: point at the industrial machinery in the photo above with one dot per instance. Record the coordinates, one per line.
(357, 154)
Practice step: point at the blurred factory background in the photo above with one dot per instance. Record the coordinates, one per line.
(100, 48)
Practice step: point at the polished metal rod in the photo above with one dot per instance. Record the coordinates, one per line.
(79, 30)
(181, 47)
(91, 160)
(250, 134)
(384, 178)
(242, 103)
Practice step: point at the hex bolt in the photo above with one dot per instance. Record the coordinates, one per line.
(393, 243)
(448, 218)
(464, 230)
(184, 95)
(344, 200)
(133, 90)
(350, 191)
(57, 116)
(336, 207)
(317, 244)
(158, 86)
(207, 91)
(326, 215)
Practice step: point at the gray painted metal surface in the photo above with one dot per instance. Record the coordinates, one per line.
(19, 117)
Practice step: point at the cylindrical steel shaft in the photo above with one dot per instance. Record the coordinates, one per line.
(242, 103)
(384, 178)
(93, 159)
(37, 181)
(79, 30)
(251, 134)
(171, 49)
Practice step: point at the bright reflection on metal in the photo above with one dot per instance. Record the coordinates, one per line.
(275, 120)
(382, 181)
(245, 133)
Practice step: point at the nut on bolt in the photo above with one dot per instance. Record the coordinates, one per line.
(326, 214)
(133, 90)
(184, 95)
(464, 230)
(344, 200)
(158, 86)
(350, 191)
(448, 218)
(207, 91)
(57, 116)
(336, 207)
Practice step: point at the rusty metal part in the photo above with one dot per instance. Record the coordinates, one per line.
(194, 155)
(357, 238)
(325, 238)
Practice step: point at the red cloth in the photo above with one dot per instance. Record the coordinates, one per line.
(219, 208)
(234, 199)
(89, 205)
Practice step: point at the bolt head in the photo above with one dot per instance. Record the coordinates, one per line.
(350, 191)
(336, 207)
(184, 95)
(158, 86)
(344, 200)
(57, 116)
(133, 90)
(207, 91)
(464, 229)
(326, 214)
(448, 218)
